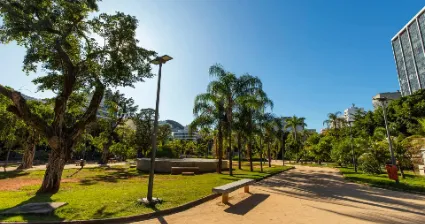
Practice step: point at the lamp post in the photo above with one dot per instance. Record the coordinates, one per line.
(149, 200)
(383, 101)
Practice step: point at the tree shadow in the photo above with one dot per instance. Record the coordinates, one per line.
(112, 176)
(329, 187)
(76, 172)
(38, 197)
(13, 174)
(243, 207)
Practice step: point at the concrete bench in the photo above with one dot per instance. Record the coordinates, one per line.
(224, 190)
(180, 170)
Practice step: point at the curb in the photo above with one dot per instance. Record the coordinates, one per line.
(143, 217)
(133, 218)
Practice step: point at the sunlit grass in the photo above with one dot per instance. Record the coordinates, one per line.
(412, 182)
(95, 193)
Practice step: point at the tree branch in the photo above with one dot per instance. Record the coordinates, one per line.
(90, 114)
(21, 110)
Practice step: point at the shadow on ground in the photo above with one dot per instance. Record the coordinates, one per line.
(244, 206)
(29, 217)
(13, 174)
(326, 185)
(113, 175)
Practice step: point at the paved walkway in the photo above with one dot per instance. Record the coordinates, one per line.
(307, 195)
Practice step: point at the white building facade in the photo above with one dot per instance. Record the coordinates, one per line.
(349, 113)
(185, 134)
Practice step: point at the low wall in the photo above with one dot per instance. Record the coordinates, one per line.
(164, 165)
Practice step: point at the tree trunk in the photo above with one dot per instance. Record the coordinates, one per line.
(250, 156)
(7, 159)
(230, 152)
(283, 149)
(269, 155)
(239, 151)
(105, 152)
(220, 148)
(402, 172)
(28, 158)
(250, 141)
(53, 174)
(261, 156)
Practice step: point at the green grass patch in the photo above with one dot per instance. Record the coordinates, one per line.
(95, 193)
(412, 182)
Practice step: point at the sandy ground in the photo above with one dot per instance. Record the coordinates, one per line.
(307, 195)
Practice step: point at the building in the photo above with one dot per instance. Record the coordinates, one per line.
(349, 113)
(389, 96)
(185, 134)
(409, 54)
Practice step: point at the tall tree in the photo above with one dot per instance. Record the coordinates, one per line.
(294, 122)
(334, 120)
(32, 137)
(144, 131)
(209, 111)
(269, 135)
(252, 99)
(58, 36)
(281, 135)
(164, 133)
(226, 88)
(119, 109)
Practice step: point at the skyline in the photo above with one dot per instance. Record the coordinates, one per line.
(308, 68)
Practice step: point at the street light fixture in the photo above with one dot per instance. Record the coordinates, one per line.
(149, 200)
(383, 101)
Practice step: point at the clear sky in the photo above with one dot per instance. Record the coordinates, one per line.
(314, 57)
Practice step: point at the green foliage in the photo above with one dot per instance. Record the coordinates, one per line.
(164, 133)
(341, 151)
(369, 164)
(144, 130)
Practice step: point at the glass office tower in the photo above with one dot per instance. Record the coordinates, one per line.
(409, 54)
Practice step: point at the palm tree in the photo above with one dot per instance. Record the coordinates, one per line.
(209, 110)
(225, 87)
(281, 135)
(269, 133)
(250, 100)
(334, 120)
(239, 127)
(294, 122)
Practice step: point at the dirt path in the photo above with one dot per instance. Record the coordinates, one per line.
(307, 195)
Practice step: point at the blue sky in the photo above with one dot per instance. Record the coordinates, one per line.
(314, 57)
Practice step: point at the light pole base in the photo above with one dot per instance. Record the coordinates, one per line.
(146, 202)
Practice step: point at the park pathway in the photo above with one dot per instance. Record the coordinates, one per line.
(306, 195)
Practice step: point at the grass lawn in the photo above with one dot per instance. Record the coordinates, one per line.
(412, 182)
(93, 193)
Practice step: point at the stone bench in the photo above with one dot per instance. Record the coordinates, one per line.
(180, 170)
(224, 190)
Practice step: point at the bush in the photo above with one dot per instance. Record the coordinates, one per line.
(166, 152)
(369, 164)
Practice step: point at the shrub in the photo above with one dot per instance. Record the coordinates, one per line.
(166, 152)
(369, 164)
